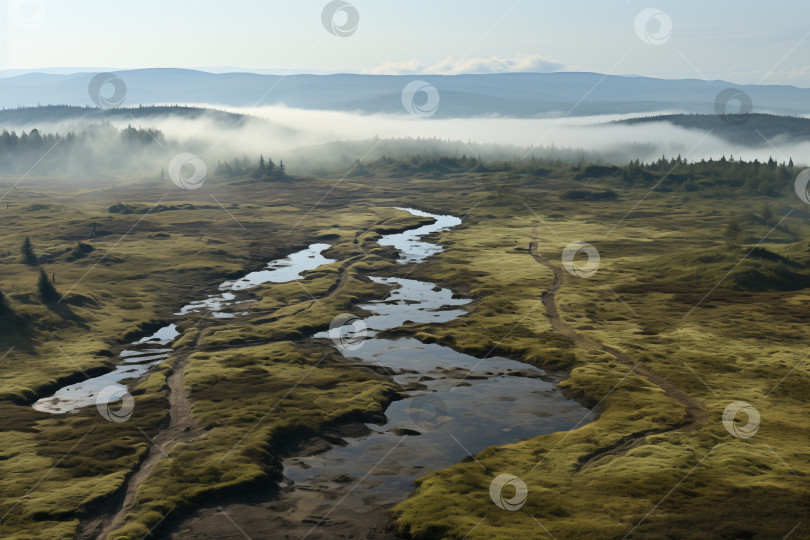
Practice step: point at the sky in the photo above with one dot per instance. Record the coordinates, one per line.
(743, 42)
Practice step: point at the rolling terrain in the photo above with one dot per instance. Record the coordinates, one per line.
(680, 320)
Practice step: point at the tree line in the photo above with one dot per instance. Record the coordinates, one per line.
(727, 176)
(265, 170)
(98, 147)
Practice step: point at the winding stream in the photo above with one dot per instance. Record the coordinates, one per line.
(464, 404)
(456, 405)
(146, 353)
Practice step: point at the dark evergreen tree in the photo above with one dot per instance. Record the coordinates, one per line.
(9, 321)
(28, 256)
(47, 292)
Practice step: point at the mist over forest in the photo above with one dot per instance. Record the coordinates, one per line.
(93, 141)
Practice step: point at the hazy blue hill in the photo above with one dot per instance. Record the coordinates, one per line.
(509, 94)
(750, 132)
(59, 113)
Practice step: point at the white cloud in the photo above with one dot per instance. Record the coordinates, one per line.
(451, 66)
(408, 67)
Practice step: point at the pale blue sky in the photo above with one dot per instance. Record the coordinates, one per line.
(740, 41)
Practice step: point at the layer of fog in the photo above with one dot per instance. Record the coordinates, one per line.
(596, 136)
(306, 139)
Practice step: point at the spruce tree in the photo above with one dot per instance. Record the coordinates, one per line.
(27, 251)
(47, 292)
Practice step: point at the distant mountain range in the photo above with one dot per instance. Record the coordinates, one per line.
(507, 94)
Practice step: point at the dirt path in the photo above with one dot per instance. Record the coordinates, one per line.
(695, 411)
(181, 428)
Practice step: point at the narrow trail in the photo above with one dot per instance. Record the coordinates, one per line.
(695, 415)
(181, 428)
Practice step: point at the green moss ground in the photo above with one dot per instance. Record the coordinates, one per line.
(254, 388)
